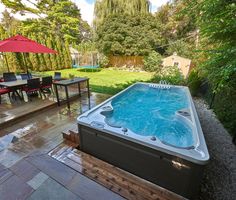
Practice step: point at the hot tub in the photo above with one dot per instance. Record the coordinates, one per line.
(152, 131)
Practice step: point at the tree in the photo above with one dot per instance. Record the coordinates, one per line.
(217, 54)
(64, 18)
(216, 21)
(58, 47)
(68, 59)
(176, 29)
(51, 44)
(122, 31)
(153, 62)
(104, 8)
(61, 18)
(9, 23)
(122, 34)
(182, 48)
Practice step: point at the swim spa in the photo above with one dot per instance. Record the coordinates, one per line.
(152, 131)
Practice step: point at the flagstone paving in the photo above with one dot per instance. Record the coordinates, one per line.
(52, 190)
(27, 172)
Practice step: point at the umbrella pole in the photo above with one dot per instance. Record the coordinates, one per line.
(25, 64)
(5, 56)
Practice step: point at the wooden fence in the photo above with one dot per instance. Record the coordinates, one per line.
(126, 61)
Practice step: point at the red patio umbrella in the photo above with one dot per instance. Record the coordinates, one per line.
(20, 44)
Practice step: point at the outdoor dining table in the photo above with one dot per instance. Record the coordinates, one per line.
(14, 86)
(68, 82)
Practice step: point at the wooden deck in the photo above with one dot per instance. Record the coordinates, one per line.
(16, 111)
(117, 180)
(12, 113)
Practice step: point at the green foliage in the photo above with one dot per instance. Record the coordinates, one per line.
(178, 30)
(127, 35)
(224, 105)
(104, 8)
(170, 74)
(218, 31)
(9, 23)
(90, 69)
(40, 62)
(103, 61)
(61, 18)
(125, 27)
(194, 82)
(64, 18)
(182, 48)
(226, 111)
(67, 55)
(58, 25)
(216, 21)
(84, 47)
(152, 62)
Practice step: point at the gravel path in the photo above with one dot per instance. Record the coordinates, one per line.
(219, 182)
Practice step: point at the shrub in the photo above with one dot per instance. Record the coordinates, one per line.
(194, 82)
(224, 104)
(224, 107)
(103, 60)
(89, 69)
(170, 74)
(152, 62)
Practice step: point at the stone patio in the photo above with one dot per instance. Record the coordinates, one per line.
(27, 172)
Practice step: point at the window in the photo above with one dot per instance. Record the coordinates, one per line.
(176, 64)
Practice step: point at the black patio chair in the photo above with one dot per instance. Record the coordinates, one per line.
(46, 84)
(30, 75)
(9, 76)
(57, 76)
(33, 87)
(24, 76)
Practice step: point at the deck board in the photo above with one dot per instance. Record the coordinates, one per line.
(117, 180)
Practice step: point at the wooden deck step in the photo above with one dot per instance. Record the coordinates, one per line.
(71, 134)
(111, 177)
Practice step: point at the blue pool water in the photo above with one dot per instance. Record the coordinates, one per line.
(151, 111)
(86, 66)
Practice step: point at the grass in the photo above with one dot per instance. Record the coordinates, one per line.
(107, 81)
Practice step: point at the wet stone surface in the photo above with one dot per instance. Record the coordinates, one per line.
(26, 172)
(52, 190)
(37, 180)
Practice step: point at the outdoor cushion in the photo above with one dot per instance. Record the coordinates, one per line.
(4, 90)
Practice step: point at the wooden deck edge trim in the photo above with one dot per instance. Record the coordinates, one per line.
(26, 115)
(146, 185)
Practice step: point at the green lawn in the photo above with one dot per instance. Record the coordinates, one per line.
(107, 80)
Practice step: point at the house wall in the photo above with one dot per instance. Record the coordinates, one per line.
(183, 63)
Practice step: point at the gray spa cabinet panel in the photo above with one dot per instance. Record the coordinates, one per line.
(178, 175)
